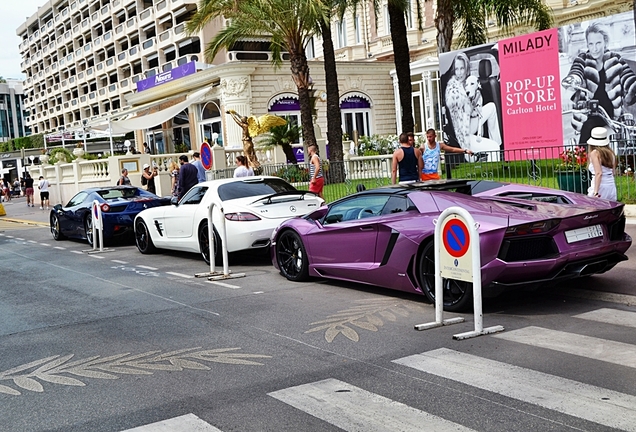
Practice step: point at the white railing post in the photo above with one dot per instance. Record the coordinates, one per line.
(213, 274)
(451, 262)
(97, 229)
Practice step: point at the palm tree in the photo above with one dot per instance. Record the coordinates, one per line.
(284, 136)
(468, 18)
(334, 120)
(289, 23)
(402, 59)
(401, 55)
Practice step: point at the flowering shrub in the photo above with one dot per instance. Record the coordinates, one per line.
(293, 174)
(377, 145)
(573, 159)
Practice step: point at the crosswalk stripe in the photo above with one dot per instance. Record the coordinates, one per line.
(180, 275)
(223, 284)
(610, 316)
(354, 409)
(606, 407)
(585, 346)
(609, 297)
(188, 422)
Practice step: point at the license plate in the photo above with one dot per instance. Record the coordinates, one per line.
(586, 233)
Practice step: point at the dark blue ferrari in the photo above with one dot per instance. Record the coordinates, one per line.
(119, 205)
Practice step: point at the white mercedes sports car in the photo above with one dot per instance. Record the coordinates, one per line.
(253, 207)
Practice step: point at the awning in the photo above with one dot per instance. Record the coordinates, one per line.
(148, 121)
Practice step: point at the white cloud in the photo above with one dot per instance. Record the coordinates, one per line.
(14, 13)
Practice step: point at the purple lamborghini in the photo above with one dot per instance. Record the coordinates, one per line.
(384, 237)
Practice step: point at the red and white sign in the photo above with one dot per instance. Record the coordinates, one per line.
(206, 156)
(455, 253)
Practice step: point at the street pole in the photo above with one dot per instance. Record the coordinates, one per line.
(110, 135)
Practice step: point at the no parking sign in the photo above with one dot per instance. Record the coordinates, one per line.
(456, 249)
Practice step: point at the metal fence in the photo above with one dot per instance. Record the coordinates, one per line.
(539, 167)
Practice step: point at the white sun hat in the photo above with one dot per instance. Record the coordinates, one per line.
(599, 137)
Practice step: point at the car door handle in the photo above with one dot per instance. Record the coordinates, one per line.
(366, 228)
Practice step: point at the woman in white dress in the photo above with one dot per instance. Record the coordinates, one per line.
(602, 165)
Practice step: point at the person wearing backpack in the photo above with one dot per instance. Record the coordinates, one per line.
(148, 179)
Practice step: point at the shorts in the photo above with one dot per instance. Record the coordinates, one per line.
(44, 195)
(433, 176)
(317, 185)
(29, 191)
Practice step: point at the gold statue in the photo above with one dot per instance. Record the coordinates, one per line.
(253, 126)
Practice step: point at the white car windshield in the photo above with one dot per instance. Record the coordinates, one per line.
(255, 187)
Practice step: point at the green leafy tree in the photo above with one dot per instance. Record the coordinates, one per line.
(289, 23)
(284, 136)
(401, 55)
(468, 19)
(334, 118)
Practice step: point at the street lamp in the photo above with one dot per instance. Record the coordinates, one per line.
(31, 157)
(127, 145)
(84, 133)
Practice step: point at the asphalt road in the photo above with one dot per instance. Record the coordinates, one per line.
(118, 340)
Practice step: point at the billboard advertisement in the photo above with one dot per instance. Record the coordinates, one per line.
(532, 93)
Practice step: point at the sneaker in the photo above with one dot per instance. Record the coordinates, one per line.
(41, 208)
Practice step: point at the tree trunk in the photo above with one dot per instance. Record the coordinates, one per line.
(300, 75)
(444, 24)
(289, 154)
(402, 59)
(334, 119)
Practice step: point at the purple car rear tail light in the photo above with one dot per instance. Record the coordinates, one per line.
(531, 228)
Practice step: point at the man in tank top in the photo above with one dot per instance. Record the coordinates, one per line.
(407, 159)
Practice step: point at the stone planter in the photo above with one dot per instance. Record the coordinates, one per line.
(78, 152)
(44, 159)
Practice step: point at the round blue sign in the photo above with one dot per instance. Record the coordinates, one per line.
(206, 156)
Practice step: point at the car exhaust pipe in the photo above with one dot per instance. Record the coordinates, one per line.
(593, 268)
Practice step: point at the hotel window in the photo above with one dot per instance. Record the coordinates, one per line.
(341, 27)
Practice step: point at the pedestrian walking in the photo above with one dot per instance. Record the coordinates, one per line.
(187, 176)
(316, 179)
(124, 180)
(174, 175)
(199, 165)
(28, 189)
(6, 190)
(148, 178)
(242, 168)
(407, 159)
(43, 185)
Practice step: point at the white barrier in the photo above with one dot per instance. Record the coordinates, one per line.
(97, 228)
(458, 259)
(213, 274)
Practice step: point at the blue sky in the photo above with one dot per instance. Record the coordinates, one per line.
(12, 14)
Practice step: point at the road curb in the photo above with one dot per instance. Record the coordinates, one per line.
(24, 221)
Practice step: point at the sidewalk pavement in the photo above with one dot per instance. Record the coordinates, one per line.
(17, 211)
